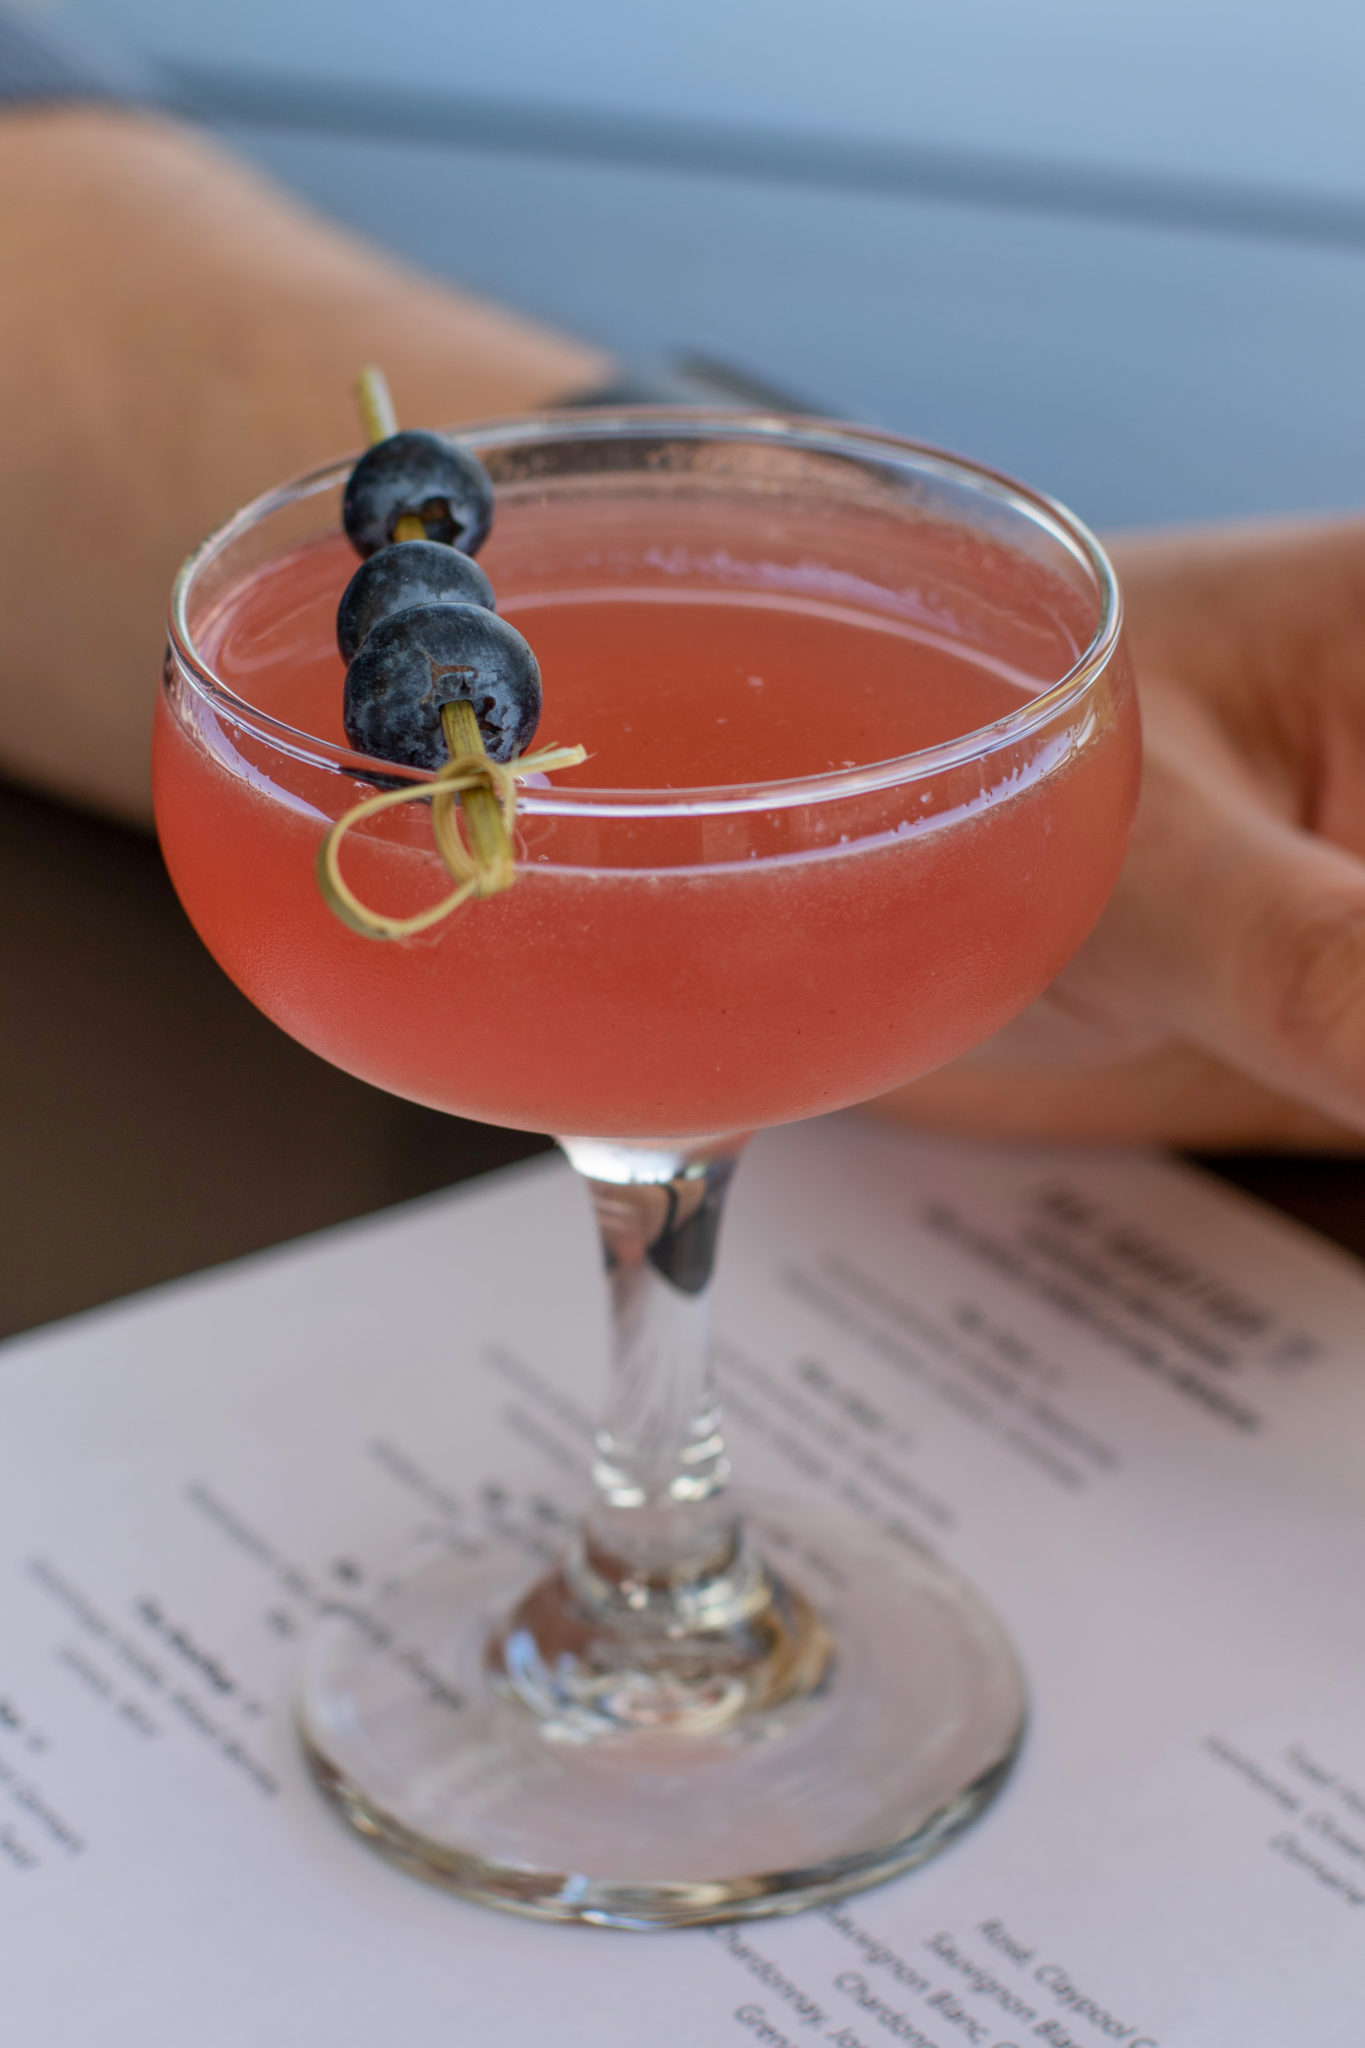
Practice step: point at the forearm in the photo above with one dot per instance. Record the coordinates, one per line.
(175, 336)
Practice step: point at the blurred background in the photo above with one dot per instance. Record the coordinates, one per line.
(1118, 250)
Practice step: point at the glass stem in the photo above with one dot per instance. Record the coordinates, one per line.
(660, 1529)
(660, 1617)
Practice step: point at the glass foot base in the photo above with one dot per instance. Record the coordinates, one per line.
(909, 1733)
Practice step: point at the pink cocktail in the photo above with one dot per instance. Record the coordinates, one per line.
(862, 761)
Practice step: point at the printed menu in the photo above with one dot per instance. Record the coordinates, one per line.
(1127, 1403)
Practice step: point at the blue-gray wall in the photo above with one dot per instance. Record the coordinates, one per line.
(1117, 249)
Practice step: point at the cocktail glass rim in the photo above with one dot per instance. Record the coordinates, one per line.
(582, 802)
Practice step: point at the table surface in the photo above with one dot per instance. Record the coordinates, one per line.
(1119, 251)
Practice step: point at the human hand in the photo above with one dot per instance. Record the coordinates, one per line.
(1221, 999)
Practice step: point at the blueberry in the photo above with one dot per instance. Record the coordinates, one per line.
(447, 489)
(415, 572)
(417, 660)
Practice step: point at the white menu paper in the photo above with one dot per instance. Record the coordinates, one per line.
(1127, 1403)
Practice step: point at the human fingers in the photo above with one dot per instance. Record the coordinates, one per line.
(1243, 935)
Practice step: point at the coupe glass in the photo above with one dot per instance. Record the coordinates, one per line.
(698, 1713)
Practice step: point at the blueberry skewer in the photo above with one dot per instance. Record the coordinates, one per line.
(420, 660)
(436, 679)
